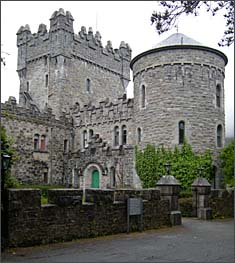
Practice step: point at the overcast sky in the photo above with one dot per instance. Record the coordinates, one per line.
(117, 21)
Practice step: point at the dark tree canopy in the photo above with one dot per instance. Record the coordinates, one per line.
(165, 20)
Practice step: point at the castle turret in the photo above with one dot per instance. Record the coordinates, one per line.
(179, 93)
(23, 37)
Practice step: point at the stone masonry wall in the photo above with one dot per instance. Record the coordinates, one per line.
(66, 218)
(36, 165)
(105, 158)
(102, 119)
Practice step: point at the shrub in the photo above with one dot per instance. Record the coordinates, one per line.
(227, 163)
(184, 164)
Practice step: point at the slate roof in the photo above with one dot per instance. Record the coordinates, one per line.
(177, 39)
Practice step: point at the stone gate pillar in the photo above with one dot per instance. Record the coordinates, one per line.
(170, 188)
(201, 190)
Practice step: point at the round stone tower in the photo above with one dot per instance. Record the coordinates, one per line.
(179, 93)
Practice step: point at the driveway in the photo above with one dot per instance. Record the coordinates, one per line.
(194, 241)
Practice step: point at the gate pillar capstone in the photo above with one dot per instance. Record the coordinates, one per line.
(201, 190)
(170, 188)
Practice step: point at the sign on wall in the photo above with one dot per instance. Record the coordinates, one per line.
(134, 208)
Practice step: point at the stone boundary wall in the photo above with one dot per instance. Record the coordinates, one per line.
(66, 218)
(221, 202)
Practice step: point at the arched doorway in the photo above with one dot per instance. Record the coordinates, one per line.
(95, 179)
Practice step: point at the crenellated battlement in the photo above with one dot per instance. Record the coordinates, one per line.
(61, 40)
(10, 109)
(106, 111)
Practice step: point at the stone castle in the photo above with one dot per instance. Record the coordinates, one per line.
(74, 124)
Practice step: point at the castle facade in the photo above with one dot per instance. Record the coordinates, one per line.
(74, 124)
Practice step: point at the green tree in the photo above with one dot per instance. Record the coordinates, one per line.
(165, 20)
(227, 163)
(6, 148)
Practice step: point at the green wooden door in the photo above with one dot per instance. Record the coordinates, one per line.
(95, 183)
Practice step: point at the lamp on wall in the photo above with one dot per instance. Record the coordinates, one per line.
(5, 161)
(200, 169)
(4, 167)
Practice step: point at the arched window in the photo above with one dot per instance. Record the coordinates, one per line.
(116, 136)
(45, 176)
(181, 132)
(88, 85)
(124, 135)
(45, 60)
(36, 142)
(218, 95)
(112, 177)
(143, 96)
(66, 146)
(219, 135)
(43, 143)
(91, 133)
(85, 144)
(46, 80)
(139, 135)
(27, 86)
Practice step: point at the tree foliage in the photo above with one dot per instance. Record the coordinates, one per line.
(185, 164)
(6, 148)
(227, 163)
(165, 20)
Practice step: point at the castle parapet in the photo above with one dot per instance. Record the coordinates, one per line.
(104, 112)
(10, 109)
(61, 40)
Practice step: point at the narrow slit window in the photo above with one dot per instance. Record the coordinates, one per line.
(218, 95)
(91, 133)
(85, 144)
(124, 135)
(181, 132)
(43, 143)
(45, 60)
(36, 142)
(219, 135)
(139, 135)
(46, 80)
(27, 86)
(88, 85)
(143, 96)
(45, 176)
(65, 146)
(116, 136)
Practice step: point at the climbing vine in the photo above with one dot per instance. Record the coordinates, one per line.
(185, 164)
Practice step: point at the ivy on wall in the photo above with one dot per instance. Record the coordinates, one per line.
(185, 164)
(227, 163)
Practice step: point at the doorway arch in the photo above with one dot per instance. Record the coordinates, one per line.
(95, 179)
(92, 176)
